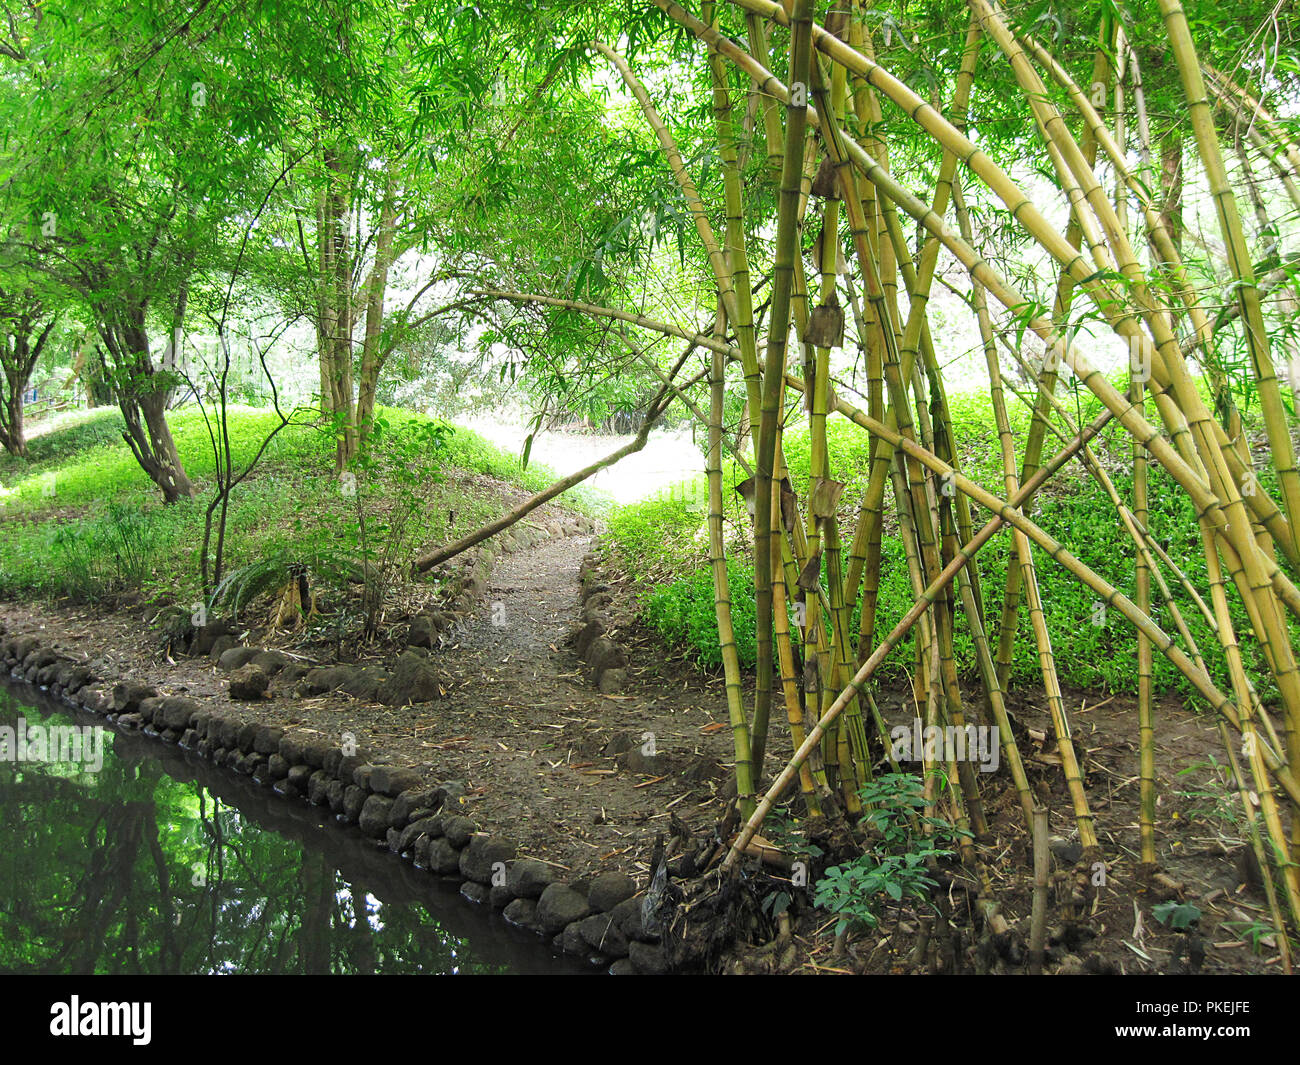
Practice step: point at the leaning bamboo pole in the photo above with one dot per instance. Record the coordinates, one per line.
(1246, 290)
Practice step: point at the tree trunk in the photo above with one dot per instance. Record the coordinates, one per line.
(335, 329)
(143, 402)
(12, 435)
(18, 357)
(372, 357)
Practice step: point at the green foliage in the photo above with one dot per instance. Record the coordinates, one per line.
(84, 521)
(1215, 800)
(391, 522)
(657, 535)
(1179, 916)
(685, 615)
(1259, 934)
(660, 543)
(897, 866)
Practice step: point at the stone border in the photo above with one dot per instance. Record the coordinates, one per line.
(600, 917)
(593, 640)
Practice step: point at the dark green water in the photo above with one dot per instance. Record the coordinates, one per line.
(156, 862)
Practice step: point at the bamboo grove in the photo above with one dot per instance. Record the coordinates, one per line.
(802, 76)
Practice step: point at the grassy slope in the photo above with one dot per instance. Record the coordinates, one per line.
(663, 543)
(80, 519)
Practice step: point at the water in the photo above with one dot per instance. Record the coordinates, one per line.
(157, 862)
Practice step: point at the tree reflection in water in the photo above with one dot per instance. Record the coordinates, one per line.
(159, 863)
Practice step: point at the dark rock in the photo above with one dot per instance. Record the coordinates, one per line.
(484, 859)
(648, 764)
(522, 913)
(336, 794)
(266, 739)
(287, 679)
(602, 934)
(278, 766)
(589, 632)
(421, 633)
(613, 680)
(570, 941)
(458, 831)
(220, 646)
(474, 891)
(446, 794)
(373, 819)
(286, 790)
(604, 654)
(365, 683)
(270, 662)
(409, 801)
(148, 708)
(627, 915)
(527, 878)
(69, 676)
(619, 743)
(291, 749)
(393, 780)
(429, 827)
(96, 700)
(347, 767)
(414, 680)
(325, 679)
(500, 896)
(558, 906)
(39, 659)
(249, 682)
(444, 859)
(318, 787)
(354, 798)
(623, 967)
(228, 735)
(237, 656)
(609, 889)
(648, 959)
(128, 694)
(313, 753)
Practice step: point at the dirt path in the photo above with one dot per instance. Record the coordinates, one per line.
(523, 725)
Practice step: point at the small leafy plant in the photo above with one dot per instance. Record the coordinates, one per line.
(897, 868)
(1179, 916)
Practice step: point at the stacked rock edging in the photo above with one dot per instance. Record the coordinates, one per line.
(600, 918)
(594, 638)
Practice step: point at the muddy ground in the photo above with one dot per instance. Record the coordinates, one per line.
(521, 724)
